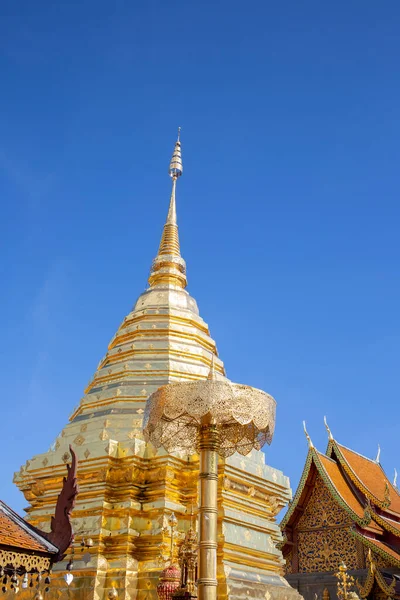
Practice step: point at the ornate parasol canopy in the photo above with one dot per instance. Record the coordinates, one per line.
(244, 416)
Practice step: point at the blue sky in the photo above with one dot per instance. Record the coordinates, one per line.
(288, 207)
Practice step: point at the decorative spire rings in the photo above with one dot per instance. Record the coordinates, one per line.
(168, 267)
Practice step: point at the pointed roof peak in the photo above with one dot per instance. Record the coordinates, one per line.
(169, 267)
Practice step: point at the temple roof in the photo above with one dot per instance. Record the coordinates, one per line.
(342, 488)
(360, 487)
(18, 534)
(369, 476)
(339, 488)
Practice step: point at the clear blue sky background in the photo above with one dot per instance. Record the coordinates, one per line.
(288, 207)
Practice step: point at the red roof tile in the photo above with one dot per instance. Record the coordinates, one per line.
(16, 532)
(342, 488)
(372, 477)
(378, 544)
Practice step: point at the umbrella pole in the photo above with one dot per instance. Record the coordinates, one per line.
(209, 441)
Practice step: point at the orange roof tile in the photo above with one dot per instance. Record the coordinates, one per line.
(16, 532)
(394, 524)
(378, 544)
(341, 486)
(372, 477)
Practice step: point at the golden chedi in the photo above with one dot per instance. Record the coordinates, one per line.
(128, 489)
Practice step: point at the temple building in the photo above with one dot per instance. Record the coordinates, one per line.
(27, 555)
(128, 490)
(345, 510)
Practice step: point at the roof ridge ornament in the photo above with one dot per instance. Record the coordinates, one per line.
(330, 436)
(395, 478)
(310, 444)
(378, 455)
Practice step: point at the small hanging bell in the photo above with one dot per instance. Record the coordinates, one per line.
(68, 577)
(25, 581)
(113, 593)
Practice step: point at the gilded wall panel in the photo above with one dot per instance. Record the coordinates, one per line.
(322, 510)
(325, 549)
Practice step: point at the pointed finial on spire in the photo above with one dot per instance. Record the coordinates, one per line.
(378, 454)
(395, 478)
(310, 444)
(330, 436)
(168, 266)
(175, 166)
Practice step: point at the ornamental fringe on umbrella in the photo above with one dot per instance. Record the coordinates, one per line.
(244, 416)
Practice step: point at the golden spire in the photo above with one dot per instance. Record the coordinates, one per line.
(168, 266)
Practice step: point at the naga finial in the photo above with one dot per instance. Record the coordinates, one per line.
(378, 455)
(395, 478)
(61, 534)
(310, 444)
(330, 436)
